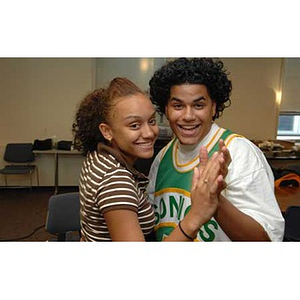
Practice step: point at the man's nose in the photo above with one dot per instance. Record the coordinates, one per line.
(189, 114)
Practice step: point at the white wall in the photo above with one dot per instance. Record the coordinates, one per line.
(137, 69)
(254, 110)
(39, 98)
(291, 86)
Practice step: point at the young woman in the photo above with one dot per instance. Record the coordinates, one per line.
(113, 127)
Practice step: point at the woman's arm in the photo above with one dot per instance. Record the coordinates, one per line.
(123, 225)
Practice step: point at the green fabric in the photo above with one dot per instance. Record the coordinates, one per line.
(172, 200)
(177, 179)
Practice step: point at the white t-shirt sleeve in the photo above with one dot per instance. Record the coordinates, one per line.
(250, 187)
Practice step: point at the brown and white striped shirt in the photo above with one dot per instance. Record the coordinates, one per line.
(107, 183)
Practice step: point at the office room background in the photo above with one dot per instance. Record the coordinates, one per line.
(39, 98)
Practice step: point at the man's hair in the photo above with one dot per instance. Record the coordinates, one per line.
(205, 71)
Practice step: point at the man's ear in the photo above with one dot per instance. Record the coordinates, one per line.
(214, 108)
(106, 131)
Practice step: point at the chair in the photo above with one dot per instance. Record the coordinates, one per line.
(292, 224)
(294, 167)
(20, 157)
(63, 217)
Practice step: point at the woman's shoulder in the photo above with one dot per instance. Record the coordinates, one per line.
(102, 164)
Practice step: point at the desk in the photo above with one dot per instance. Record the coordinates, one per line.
(287, 196)
(282, 160)
(56, 154)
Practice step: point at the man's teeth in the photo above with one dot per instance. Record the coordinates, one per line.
(189, 127)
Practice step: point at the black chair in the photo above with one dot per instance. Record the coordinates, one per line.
(63, 217)
(20, 157)
(292, 224)
(294, 167)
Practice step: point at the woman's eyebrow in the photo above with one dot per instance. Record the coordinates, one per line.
(132, 117)
(137, 117)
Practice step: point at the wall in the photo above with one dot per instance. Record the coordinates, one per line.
(137, 69)
(39, 98)
(291, 86)
(254, 110)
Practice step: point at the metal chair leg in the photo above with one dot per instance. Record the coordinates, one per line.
(30, 180)
(37, 176)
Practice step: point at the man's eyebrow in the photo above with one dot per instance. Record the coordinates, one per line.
(198, 99)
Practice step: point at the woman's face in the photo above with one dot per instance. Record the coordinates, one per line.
(133, 127)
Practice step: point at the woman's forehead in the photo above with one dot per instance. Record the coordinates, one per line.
(137, 105)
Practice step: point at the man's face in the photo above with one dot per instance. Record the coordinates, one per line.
(190, 111)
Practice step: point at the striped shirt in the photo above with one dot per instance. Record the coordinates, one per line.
(107, 183)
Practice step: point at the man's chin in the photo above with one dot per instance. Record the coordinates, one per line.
(188, 141)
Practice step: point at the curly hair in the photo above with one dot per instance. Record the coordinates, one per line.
(205, 71)
(95, 109)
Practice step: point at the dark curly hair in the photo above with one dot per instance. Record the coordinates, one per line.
(206, 71)
(94, 109)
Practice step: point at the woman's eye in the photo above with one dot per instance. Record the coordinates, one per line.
(134, 126)
(153, 121)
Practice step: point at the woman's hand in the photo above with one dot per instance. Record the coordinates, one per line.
(207, 183)
(224, 159)
(227, 158)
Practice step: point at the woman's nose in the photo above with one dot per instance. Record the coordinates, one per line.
(149, 131)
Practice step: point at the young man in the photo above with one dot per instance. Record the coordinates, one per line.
(192, 93)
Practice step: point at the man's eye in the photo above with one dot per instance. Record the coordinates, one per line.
(199, 106)
(177, 106)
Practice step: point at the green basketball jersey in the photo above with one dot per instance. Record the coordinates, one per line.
(172, 196)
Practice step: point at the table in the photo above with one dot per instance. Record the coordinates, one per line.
(287, 196)
(56, 154)
(281, 160)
